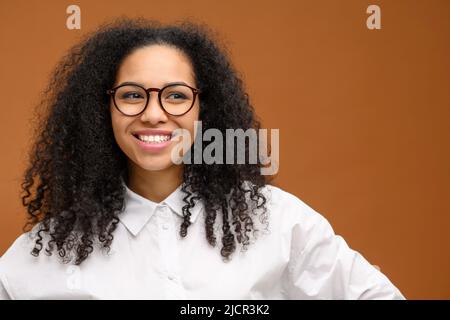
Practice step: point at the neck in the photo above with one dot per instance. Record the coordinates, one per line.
(154, 185)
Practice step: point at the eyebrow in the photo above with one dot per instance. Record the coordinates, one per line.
(142, 85)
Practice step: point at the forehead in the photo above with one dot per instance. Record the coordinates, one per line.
(156, 65)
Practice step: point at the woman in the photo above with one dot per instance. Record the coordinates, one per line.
(127, 221)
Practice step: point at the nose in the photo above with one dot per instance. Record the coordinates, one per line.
(154, 113)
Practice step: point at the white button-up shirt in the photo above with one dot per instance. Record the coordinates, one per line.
(300, 257)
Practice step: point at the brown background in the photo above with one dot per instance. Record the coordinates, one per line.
(363, 114)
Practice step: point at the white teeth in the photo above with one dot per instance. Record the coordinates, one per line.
(154, 139)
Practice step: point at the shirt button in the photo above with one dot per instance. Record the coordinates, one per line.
(165, 226)
(170, 277)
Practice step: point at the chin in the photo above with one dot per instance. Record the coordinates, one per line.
(154, 166)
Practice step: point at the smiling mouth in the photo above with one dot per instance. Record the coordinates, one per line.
(153, 139)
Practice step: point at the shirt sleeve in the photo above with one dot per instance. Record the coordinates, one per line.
(3, 293)
(326, 268)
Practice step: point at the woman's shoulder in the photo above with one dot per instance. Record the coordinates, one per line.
(290, 204)
(20, 248)
(288, 211)
(26, 276)
(293, 220)
(12, 262)
(18, 258)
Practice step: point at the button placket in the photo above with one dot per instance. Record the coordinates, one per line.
(168, 243)
(165, 218)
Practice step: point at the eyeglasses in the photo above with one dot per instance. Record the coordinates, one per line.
(132, 99)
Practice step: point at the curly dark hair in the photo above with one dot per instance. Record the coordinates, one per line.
(72, 187)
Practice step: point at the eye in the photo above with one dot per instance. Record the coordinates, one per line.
(175, 95)
(132, 95)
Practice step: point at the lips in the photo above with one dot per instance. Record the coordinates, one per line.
(152, 132)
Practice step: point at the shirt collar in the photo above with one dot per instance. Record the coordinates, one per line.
(138, 210)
